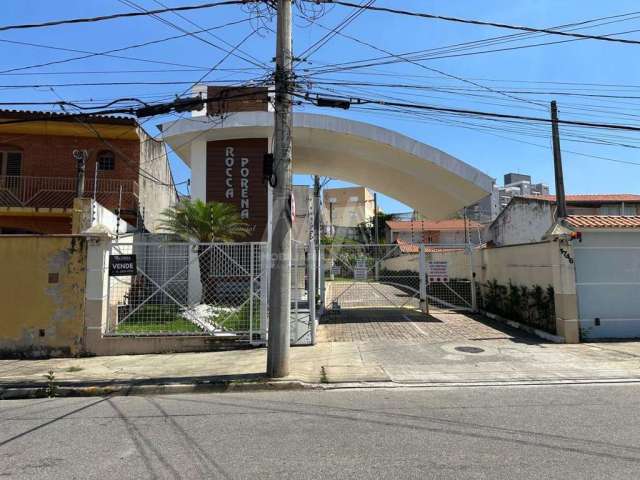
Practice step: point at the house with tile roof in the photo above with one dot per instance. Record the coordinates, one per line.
(605, 250)
(126, 171)
(443, 232)
(526, 219)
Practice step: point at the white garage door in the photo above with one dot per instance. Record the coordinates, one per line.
(608, 284)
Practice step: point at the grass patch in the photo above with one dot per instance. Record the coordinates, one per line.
(239, 320)
(167, 319)
(157, 319)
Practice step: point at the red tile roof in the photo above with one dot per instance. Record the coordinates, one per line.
(406, 247)
(603, 197)
(9, 114)
(603, 221)
(430, 225)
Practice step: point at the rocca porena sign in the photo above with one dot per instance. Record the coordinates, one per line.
(234, 175)
(229, 162)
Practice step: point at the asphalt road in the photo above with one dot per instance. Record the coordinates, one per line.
(564, 432)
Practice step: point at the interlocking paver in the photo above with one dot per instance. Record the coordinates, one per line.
(406, 325)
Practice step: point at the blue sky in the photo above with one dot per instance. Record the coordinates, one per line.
(586, 69)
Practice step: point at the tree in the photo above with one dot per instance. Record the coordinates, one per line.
(368, 229)
(205, 223)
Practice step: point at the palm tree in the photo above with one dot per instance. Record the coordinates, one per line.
(205, 223)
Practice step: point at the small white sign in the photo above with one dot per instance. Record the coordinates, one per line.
(360, 269)
(438, 271)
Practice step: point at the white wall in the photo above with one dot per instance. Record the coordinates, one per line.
(154, 196)
(521, 222)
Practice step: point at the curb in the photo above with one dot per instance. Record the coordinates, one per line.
(32, 392)
(36, 391)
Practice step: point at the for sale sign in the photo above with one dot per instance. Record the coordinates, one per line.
(438, 271)
(122, 265)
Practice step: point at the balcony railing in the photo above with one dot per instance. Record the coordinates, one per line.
(59, 192)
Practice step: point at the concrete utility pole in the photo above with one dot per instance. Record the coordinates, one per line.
(561, 201)
(375, 218)
(316, 226)
(280, 289)
(81, 160)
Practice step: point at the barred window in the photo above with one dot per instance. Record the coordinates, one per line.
(106, 160)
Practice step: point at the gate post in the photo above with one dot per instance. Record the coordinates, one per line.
(321, 273)
(311, 289)
(424, 304)
(474, 300)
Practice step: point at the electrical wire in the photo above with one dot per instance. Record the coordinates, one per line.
(522, 28)
(124, 15)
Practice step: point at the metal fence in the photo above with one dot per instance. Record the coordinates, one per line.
(59, 192)
(396, 276)
(180, 288)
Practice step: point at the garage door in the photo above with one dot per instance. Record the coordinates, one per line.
(608, 284)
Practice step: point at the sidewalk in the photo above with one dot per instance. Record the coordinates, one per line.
(473, 361)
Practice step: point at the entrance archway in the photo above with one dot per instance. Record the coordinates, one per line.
(430, 181)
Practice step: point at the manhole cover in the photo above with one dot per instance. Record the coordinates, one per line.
(470, 349)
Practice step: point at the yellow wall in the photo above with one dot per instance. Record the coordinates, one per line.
(32, 306)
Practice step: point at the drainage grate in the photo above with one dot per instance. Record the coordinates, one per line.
(470, 349)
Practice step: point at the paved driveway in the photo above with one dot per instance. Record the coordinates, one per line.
(408, 325)
(352, 294)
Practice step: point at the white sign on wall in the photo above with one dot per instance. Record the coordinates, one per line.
(438, 271)
(360, 269)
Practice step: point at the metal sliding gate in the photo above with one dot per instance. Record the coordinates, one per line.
(409, 276)
(179, 288)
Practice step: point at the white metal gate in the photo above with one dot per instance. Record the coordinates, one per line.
(396, 276)
(607, 284)
(180, 288)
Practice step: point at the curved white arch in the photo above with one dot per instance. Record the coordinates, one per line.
(425, 178)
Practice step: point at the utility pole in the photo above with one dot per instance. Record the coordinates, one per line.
(81, 160)
(316, 227)
(375, 218)
(280, 289)
(561, 201)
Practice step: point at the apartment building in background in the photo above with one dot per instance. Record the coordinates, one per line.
(126, 170)
(515, 185)
(344, 210)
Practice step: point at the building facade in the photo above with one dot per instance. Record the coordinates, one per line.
(38, 171)
(527, 219)
(515, 185)
(444, 232)
(345, 210)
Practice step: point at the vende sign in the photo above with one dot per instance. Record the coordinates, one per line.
(122, 265)
(234, 175)
(438, 271)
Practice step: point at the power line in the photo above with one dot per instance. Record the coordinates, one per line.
(521, 28)
(461, 79)
(125, 15)
(212, 35)
(134, 5)
(338, 28)
(431, 53)
(364, 101)
(106, 53)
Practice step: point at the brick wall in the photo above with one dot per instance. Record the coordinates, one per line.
(51, 156)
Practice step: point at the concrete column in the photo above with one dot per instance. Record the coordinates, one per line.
(96, 292)
(198, 192)
(564, 284)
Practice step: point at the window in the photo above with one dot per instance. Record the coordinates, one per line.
(613, 209)
(106, 160)
(10, 163)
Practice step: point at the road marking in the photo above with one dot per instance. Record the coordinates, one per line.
(415, 325)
